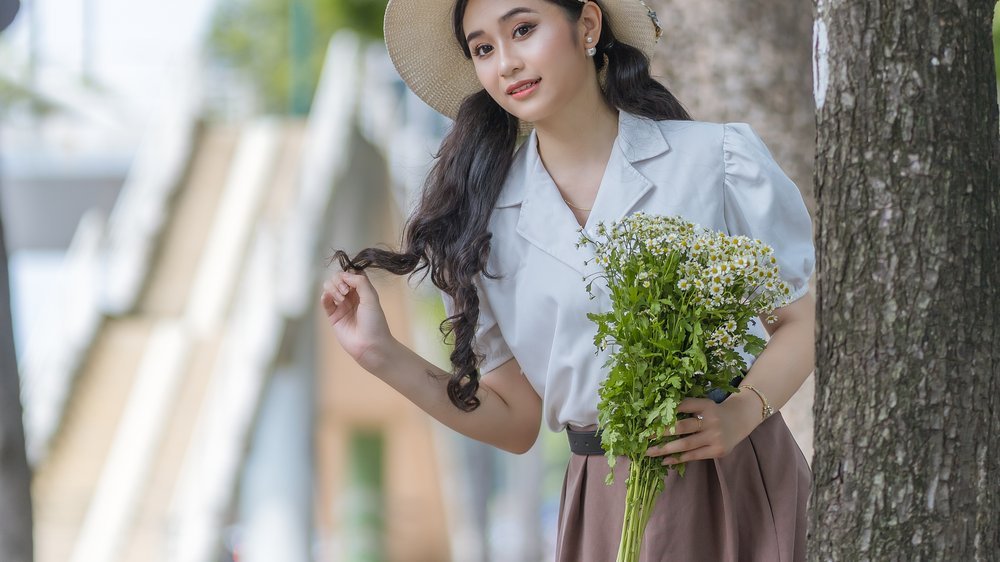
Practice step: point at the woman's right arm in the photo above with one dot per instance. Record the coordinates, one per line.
(509, 413)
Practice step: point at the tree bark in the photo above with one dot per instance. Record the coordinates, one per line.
(908, 193)
(15, 476)
(16, 542)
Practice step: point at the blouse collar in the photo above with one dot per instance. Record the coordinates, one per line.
(639, 138)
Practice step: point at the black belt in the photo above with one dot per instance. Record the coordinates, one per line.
(585, 442)
(589, 442)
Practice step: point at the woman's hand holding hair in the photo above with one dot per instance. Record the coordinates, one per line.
(511, 410)
(356, 317)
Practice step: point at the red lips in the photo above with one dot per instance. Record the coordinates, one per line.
(516, 85)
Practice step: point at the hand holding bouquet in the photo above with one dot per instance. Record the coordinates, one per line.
(681, 298)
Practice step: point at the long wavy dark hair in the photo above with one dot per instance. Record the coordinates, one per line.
(448, 228)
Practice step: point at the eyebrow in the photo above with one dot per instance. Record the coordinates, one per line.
(502, 19)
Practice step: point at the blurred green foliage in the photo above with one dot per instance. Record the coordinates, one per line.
(14, 95)
(279, 45)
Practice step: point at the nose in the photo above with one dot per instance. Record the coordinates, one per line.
(510, 61)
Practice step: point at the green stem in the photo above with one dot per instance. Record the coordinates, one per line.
(623, 546)
(641, 494)
(644, 517)
(629, 527)
(639, 500)
(634, 513)
(637, 527)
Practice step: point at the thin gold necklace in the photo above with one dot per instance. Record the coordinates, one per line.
(574, 206)
(560, 194)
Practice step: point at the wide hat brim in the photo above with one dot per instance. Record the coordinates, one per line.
(423, 48)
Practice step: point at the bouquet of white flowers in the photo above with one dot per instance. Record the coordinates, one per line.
(681, 298)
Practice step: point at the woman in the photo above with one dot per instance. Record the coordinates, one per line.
(498, 224)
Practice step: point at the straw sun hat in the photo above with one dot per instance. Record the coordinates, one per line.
(422, 46)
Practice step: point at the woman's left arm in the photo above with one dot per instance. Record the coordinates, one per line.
(778, 373)
(787, 359)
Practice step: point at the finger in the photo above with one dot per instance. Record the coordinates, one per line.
(701, 453)
(335, 295)
(695, 405)
(360, 282)
(340, 285)
(335, 311)
(326, 299)
(336, 283)
(694, 441)
(683, 426)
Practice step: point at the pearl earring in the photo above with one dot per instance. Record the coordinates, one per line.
(592, 50)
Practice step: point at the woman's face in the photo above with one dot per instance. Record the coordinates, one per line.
(517, 42)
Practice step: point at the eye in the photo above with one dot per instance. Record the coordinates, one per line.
(525, 26)
(478, 51)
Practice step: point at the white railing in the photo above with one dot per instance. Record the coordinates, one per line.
(142, 208)
(106, 266)
(275, 289)
(151, 401)
(54, 353)
(325, 156)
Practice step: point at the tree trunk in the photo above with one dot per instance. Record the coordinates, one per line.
(908, 193)
(15, 477)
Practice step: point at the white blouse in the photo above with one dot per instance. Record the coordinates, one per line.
(718, 175)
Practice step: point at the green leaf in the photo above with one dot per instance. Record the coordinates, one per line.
(652, 415)
(754, 344)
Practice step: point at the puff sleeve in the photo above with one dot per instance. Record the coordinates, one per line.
(761, 201)
(488, 339)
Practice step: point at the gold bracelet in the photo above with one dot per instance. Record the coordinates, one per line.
(767, 410)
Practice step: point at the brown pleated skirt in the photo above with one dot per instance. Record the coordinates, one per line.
(748, 506)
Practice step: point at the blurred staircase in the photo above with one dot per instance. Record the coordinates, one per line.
(197, 296)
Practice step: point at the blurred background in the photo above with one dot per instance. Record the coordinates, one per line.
(173, 177)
